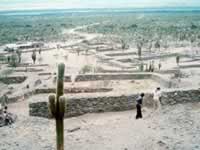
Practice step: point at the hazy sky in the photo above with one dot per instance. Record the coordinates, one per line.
(40, 4)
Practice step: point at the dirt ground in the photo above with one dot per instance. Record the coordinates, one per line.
(174, 128)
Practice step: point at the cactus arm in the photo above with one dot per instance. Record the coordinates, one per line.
(52, 106)
(62, 106)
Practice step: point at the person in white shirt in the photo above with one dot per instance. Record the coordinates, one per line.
(157, 98)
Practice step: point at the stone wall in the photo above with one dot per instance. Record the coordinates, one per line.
(95, 77)
(73, 90)
(80, 106)
(116, 76)
(176, 97)
(13, 79)
(28, 93)
(122, 76)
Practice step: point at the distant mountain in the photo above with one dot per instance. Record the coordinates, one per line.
(101, 10)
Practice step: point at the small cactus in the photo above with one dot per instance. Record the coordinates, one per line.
(159, 65)
(177, 60)
(33, 56)
(57, 107)
(19, 54)
(139, 47)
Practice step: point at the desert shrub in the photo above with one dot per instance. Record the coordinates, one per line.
(6, 72)
(14, 60)
(86, 69)
(141, 67)
(2, 58)
(157, 45)
(106, 83)
(19, 54)
(98, 69)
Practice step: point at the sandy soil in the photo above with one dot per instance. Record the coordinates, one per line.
(174, 128)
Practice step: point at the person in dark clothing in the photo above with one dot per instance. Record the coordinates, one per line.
(139, 102)
(7, 121)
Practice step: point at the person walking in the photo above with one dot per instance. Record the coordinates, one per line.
(139, 102)
(157, 99)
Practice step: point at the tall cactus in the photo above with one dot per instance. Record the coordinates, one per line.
(57, 107)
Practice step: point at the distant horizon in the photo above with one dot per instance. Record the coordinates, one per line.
(167, 8)
(14, 5)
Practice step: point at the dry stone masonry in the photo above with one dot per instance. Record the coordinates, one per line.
(80, 106)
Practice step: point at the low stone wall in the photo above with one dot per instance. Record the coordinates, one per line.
(32, 65)
(176, 97)
(73, 90)
(95, 77)
(28, 93)
(80, 106)
(117, 76)
(121, 54)
(13, 79)
(189, 66)
(121, 76)
(29, 70)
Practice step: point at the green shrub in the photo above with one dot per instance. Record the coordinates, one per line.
(14, 60)
(86, 69)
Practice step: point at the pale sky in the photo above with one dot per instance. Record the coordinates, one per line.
(65, 4)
